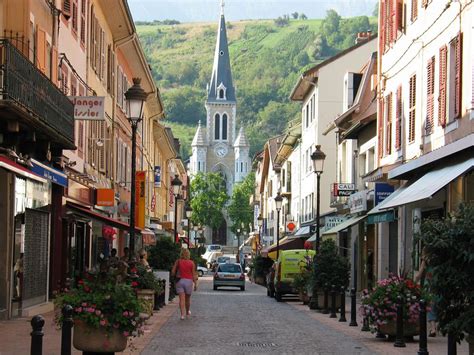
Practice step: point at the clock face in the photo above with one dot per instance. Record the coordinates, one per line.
(221, 151)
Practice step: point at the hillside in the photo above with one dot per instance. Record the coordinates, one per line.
(266, 60)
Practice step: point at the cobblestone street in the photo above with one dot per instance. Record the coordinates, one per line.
(229, 321)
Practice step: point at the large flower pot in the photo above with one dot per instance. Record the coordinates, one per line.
(390, 329)
(90, 339)
(147, 300)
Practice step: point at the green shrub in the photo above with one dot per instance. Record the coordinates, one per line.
(331, 268)
(163, 254)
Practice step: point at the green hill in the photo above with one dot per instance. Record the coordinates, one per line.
(266, 57)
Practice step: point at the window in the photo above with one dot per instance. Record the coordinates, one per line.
(398, 119)
(443, 74)
(412, 110)
(224, 127)
(74, 16)
(241, 167)
(83, 22)
(455, 76)
(110, 70)
(430, 73)
(391, 12)
(388, 127)
(217, 126)
(307, 115)
(221, 93)
(414, 10)
(66, 8)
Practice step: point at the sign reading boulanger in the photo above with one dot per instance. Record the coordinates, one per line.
(88, 107)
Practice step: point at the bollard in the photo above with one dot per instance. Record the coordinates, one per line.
(353, 322)
(423, 348)
(66, 330)
(399, 341)
(333, 302)
(365, 325)
(37, 323)
(452, 348)
(326, 299)
(342, 318)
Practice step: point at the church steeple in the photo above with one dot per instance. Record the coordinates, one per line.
(221, 87)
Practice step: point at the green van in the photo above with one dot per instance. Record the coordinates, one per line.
(289, 264)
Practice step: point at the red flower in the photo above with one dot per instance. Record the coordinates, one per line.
(80, 282)
(134, 284)
(87, 288)
(410, 283)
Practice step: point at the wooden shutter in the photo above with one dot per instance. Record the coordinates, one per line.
(425, 3)
(443, 69)
(54, 66)
(41, 49)
(393, 20)
(458, 76)
(430, 73)
(102, 55)
(75, 14)
(380, 130)
(398, 119)
(414, 9)
(382, 27)
(66, 8)
(412, 110)
(398, 25)
(388, 130)
(83, 22)
(93, 40)
(101, 149)
(388, 23)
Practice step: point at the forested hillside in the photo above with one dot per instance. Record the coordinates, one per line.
(266, 57)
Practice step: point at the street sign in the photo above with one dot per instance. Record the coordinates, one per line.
(343, 189)
(382, 191)
(290, 226)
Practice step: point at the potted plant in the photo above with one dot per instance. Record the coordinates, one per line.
(260, 267)
(146, 285)
(105, 312)
(330, 269)
(300, 282)
(380, 305)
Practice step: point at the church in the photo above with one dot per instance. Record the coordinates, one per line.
(217, 147)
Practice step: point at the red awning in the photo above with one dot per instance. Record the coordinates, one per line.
(20, 170)
(286, 244)
(101, 218)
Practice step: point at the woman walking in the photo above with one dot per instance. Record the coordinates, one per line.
(185, 270)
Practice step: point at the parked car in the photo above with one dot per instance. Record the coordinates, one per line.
(229, 275)
(287, 266)
(212, 257)
(201, 270)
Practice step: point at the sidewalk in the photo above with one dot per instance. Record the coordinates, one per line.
(15, 334)
(436, 345)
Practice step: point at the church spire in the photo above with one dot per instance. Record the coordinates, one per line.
(221, 87)
(199, 139)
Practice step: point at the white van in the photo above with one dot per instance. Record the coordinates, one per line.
(212, 248)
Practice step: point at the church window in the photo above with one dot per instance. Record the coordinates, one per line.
(221, 93)
(217, 127)
(224, 127)
(199, 166)
(236, 167)
(241, 167)
(246, 167)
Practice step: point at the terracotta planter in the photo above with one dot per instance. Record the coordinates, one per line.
(390, 329)
(87, 338)
(147, 300)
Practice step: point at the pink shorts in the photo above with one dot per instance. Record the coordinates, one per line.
(184, 286)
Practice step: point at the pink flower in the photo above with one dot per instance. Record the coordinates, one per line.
(84, 304)
(126, 334)
(98, 312)
(103, 322)
(79, 309)
(125, 313)
(130, 314)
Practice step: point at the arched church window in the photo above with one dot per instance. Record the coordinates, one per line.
(199, 166)
(217, 127)
(221, 93)
(241, 167)
(224, 127)
(236, 167)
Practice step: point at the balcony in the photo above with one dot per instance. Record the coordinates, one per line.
(28, 97)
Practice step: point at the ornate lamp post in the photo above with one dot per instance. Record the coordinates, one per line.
(189, 213)
(176, 184)
(318, 164)
(278, 203)
(135, 98)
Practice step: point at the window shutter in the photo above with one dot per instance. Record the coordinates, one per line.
(382, 27)
(83, 22)
(388, 23)
(425, 3)
(443, 63)
(41, 49)
(394, 19)
(102, 55)
(54, 66)
(398, 25)
(398, 119)
(380, 133)
(388, 131)
(412, 113)
(414, 9)
(101, 149)
(458, 77)
(66, 8)
(430, 95)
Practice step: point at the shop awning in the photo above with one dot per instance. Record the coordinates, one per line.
(302, 232)
(148, 237)
(285, 244)
(430, 183)
(99, 217)
(340, 227)
(13, 166)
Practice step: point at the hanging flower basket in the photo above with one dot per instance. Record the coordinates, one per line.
(108, 233)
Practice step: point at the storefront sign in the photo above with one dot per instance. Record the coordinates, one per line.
(157, 176)
(153, 203)
(140, 199)
(382, 191)
(123, 208)
(333, 221)
(79, 192)
(358, 202)
(105, 197)
(388, 216)
(290, 226)
(342, 189)
(56, 176)
(88, 107)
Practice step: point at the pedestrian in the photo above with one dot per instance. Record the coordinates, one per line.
(425, 273)
(126, 253)
(113, 259)
(185, 270)
(143, 259)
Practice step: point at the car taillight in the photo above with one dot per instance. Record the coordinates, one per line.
(242, 276)
(279, 272)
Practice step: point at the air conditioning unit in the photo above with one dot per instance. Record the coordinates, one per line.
(351, 86)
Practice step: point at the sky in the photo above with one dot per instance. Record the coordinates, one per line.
(235, 10)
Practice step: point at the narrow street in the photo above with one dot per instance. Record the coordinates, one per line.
(229, 321)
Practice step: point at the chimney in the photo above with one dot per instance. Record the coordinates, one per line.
(363, 36)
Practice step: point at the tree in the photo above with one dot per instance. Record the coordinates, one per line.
(240, 211)
(208, 198)
(163, 254)
(303, 17)
(295, 15)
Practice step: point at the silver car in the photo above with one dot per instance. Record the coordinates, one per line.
(229, 275)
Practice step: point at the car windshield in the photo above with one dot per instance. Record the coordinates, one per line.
(222, 259)
(214, 247)
(232, 268)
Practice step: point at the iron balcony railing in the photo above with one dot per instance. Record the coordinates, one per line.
(24, 85)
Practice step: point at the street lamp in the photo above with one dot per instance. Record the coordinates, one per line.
(189, 213)
(318, 164)
(278, 203)
(135, 98)
(176, 185)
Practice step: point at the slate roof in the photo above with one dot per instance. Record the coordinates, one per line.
(241, 140)
(200, 137)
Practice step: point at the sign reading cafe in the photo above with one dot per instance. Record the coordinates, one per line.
(88, 107)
